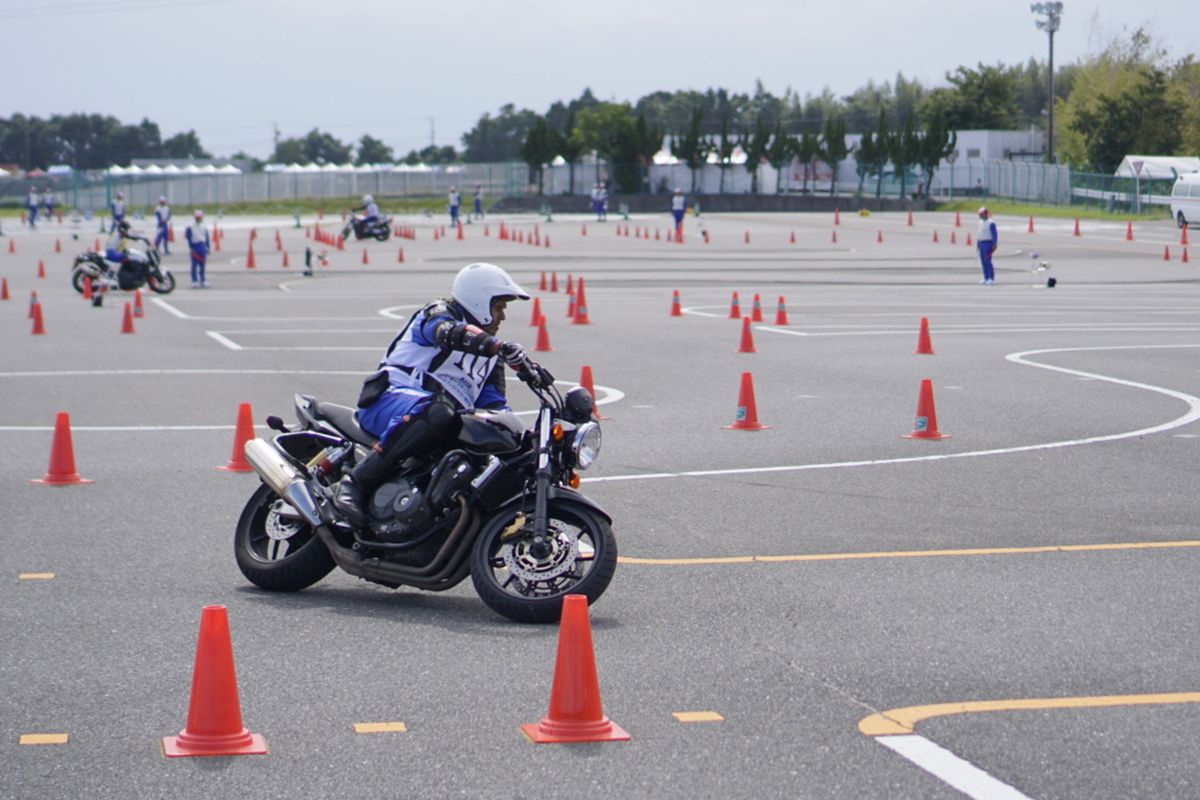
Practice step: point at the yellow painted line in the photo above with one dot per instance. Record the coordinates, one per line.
(975, 551)
(697, 716)
(903, 720)
(35, 576)
(44, 738)
(380, 727)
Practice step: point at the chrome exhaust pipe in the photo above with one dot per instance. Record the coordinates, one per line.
(283, 479)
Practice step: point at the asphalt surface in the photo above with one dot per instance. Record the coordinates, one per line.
(794, 580)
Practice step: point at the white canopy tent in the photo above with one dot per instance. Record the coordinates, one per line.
(1161, 167)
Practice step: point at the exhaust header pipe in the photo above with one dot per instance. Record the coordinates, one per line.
(278, 474)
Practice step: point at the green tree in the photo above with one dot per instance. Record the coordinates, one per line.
(184, 145)
(977, 99)
(316, 146)
(1141, 119)
(935, 143)
(757, 146)
(905, 152)
(780, 153)
(806, 146)
(692, 147)
(723, 147)
(498, 138)
(373, 151)
(882, 151)
(832, 148)
(538, 149)
(866, 156)
(570, 146)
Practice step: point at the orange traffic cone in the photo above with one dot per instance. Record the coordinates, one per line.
(1129, 232)
(1184, 258)
(41, 268)
(585, 380)
(1183, 236)
(879, 237)
(138, 310)
(747, 410)
(543, 338)
(676, 311)
(58, 245)
(1031, 223)
(12, 245)
(365, 260)
(553, 281)
(1077, 233)
(781, 317)
(747, 343)
(957, 220)
(953, 238)
(487, 231)
(62, 456)
(575, 713)
(834, 237)
(460, 231)
(926, 422)
(542, 285)
(735, 308)
(756, 310)
(95, 246)
(536, 317)
(39, 329)
(400, 256)
(285, 264)
(935, 236)
(214, 722)
(570, 283)
(581, 309)
(127, 322)
(250, 256)
(4, 289)
(583, 229)
(1166, 252)
(547, 242)
(837, 217)
(747, 237)
(968, 238)
(243, 434)
(924, 345)
(910, 218)
(278, 241)
(792, 238)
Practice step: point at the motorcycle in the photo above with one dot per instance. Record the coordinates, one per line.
(499, 504)
(144, 269)
(379, 228)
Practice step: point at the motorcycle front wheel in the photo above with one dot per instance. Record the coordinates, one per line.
(276, 550)
(384, 235)
(525, 587)
(163, 283)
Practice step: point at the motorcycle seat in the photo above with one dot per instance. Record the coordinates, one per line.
(342, 418)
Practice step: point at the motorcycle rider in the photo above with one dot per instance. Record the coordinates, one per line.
(132, 271)
(444, 361)
(370, 214)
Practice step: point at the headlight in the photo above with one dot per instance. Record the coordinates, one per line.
(586, 445)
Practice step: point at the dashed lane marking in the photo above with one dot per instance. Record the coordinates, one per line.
(35, 576)
(380, 727)
(43, 738)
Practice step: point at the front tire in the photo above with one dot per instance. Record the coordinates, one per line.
(276, 551)
(517, 585)
(164, 283)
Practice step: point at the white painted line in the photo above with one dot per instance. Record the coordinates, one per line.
(957, 772)
(1192, 415)
(223, 341)
(158, 301)
(1077, 328)
(67, 373)
(115, 428)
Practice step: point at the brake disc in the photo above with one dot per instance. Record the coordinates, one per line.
(561, 560)
(278, 526)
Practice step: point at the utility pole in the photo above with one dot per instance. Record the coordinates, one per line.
(275, 137)
(432, 139)
(1053, 14)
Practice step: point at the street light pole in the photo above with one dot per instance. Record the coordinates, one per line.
(1053, 15)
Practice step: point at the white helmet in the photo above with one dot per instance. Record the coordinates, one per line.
(477, 285)
(162, 198)
(367, 199)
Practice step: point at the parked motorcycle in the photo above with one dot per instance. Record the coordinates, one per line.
(144, 269)
(500, 504)
(379, 228)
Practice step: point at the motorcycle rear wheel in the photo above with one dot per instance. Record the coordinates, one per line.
(523, 588)
(77, 278)
(274, 552)
(165, 284)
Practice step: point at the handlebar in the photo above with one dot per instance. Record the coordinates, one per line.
(534, 374)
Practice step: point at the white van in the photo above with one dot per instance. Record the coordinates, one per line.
(1185, 200)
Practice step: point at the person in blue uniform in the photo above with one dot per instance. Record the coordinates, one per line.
(162, 222)
(987, 240)
(117, 208)
(678, 208)
(445, 360)
(31, 205)
(48, 201)
(197, 239)
(479, 201)
(455, 202)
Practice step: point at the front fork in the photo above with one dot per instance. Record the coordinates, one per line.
(540, 546)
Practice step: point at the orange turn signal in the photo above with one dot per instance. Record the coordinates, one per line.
(574, 482)
(557, 432)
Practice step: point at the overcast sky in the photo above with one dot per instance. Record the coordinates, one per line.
(403, 70)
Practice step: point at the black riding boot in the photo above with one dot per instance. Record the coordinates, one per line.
(416, 437)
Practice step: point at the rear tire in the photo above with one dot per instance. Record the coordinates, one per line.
(274, 552)
(584, 561)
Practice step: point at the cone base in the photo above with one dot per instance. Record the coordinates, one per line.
(924, 435)
(241, 744)
(60, 480)
(923, 352)
(745, 426)
(550, 732)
